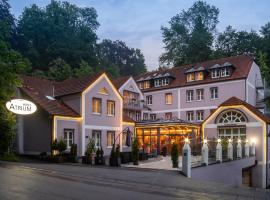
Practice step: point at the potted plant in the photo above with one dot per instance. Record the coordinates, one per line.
(90, 152)
(174, 156)
(135, 151)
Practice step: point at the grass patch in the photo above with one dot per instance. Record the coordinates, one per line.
(9, 157)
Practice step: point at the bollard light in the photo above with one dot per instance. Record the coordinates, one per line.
(230, 150)
(253, 145)
(247, 148)
(205, 141)
(239, 149)
(219, 140)
(239, 141)
(219, 151)
(186, 140)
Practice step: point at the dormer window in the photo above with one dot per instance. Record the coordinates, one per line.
(161, 82)
(146, 84)
(190, 77)
(215, 73)
(225, 72)
(199, 76)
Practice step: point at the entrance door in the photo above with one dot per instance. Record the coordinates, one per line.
(246, 177)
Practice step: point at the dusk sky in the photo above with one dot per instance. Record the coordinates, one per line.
(138, 22)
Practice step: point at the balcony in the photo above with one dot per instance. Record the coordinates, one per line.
(135, 106)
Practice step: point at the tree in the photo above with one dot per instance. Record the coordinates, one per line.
(84, 69)
(11, 65)
(135, 151)
(59, 30)
(116, 56)
(174, 156)
(189, 36)
(232, 42)
(59, 70)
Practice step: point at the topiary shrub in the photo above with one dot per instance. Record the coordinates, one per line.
(135, 151)
(90, 151)
(174, 156)
(73, 153)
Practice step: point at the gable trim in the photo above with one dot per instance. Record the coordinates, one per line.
(131, 79)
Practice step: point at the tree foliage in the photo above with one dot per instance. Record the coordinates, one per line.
(189, 36)
(59, 70)
(59, 30)
(11, 65)
(116, 54)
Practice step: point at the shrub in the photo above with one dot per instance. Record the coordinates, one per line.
(135, 151)
(90, 150)
(54, 146)
(73, 152)
(61, 146)
(9, 157)
(174, 156)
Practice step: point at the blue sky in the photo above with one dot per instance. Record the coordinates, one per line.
(138, 22)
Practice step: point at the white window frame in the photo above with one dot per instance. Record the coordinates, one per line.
(93, 105)
(157, 83)
(110, 108)
(167, 102)
(67, 138)
(199, 94)
(145, 116)
(96, 136)
(153, 116)
(168, 114)
(190, 95)
(190, 116)
(213, 93)
(215, 73)
(197, 76)
(110, 138)
(200, 115)
(149, 99)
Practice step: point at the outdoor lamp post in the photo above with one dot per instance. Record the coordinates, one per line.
(230, 150)
(219, 151)
(205, 152)
(247, 148)
(239, 149)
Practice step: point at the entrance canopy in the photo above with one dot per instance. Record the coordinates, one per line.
(159, 135)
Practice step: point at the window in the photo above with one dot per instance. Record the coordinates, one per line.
(103, 91)
(232, 132)
(168, 116)
(110, 138)
(200, 94)
(189, 95)
(110, 108)
(232, 117)
(199, 76)
(69, 137)
(146, 85)
(96, 105)
(149, 100)
(145, 116)
(225, 72)
(168, 98)
(214, 92)
(166, 81)
(215, 73)
(190, 77)
(153, 116)
(96, 135)
(138, 116)
(190, 116)
(200, 115)
(141, 85)
(125, 139)
(157, 83)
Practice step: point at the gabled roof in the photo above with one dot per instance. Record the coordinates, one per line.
(118, 82)
(37, 89)
(242, 65)
(234, 101)
(75, 85)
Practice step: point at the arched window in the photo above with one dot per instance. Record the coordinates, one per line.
(231, 117)
(231, 124)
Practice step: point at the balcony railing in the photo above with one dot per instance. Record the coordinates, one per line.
(135, 105)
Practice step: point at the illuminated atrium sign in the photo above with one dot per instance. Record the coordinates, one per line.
(21, 106)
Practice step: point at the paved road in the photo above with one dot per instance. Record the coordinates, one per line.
(52, 181)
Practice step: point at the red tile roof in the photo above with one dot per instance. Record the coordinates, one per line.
(75, 85)
(242, 65)
(38, 89)
(118, 82)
